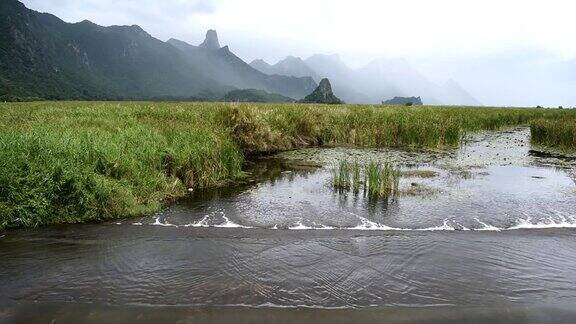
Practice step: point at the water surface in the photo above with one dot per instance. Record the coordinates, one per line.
(490, 238)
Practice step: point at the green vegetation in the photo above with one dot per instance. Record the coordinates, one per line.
(347, 176)
(341, 176)
(405, 101)
(322, 95)
(559, 133)
(382, 180)
(72, 162)
(377, 181)
(64, 162)
(254, 95)
(10, 98)
(42, 56)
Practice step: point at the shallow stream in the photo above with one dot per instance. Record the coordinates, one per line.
(489, 234)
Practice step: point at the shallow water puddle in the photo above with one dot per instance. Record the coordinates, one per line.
(491, 198)
(466, 189)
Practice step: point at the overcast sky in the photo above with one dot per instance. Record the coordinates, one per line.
(504, 52)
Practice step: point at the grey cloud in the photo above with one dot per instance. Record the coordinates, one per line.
(137, 10)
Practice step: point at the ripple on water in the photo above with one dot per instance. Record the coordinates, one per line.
(501, 198)
(493, 236)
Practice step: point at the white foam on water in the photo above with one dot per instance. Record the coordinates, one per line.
(201, 223)
(204, 222)
(368, 225)
(322, 227)
(444, 227)
(157, 222)
(560, 222)
(299, 227)
(487, 227)
(230, 224)
(447, 225)
(462, 227)
(551, 222)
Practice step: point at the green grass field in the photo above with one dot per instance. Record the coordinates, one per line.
(66, 162)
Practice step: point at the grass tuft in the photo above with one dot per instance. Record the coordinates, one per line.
(376, 180)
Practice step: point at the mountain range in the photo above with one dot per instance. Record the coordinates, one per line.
(42, 56)
(226, 68)
(379, 80)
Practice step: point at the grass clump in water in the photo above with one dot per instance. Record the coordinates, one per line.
(376, 180)
(383, 180)
(341, 176)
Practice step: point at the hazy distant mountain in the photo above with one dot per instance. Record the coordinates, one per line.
(379, 80)
(454, 94)
(43, 56)
(225, 67)
(328, 66)
(396, 77)
(317, 67)
(262, 66)
(290, 66)
(341, 77)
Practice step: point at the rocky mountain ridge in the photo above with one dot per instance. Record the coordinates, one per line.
(43, 57)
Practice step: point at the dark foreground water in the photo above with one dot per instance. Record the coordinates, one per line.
(490, 243)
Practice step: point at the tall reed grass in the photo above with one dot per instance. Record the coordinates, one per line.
(66, 162)
(375, 180)
(555, 133)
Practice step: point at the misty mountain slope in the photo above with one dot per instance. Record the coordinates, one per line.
(379, 80)
(227, 68)
(43, 56)
(290, 66)
(387, 78)
(262, 66)
(328, 66)
(454, 94)
(340, 76)
(318, 67)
